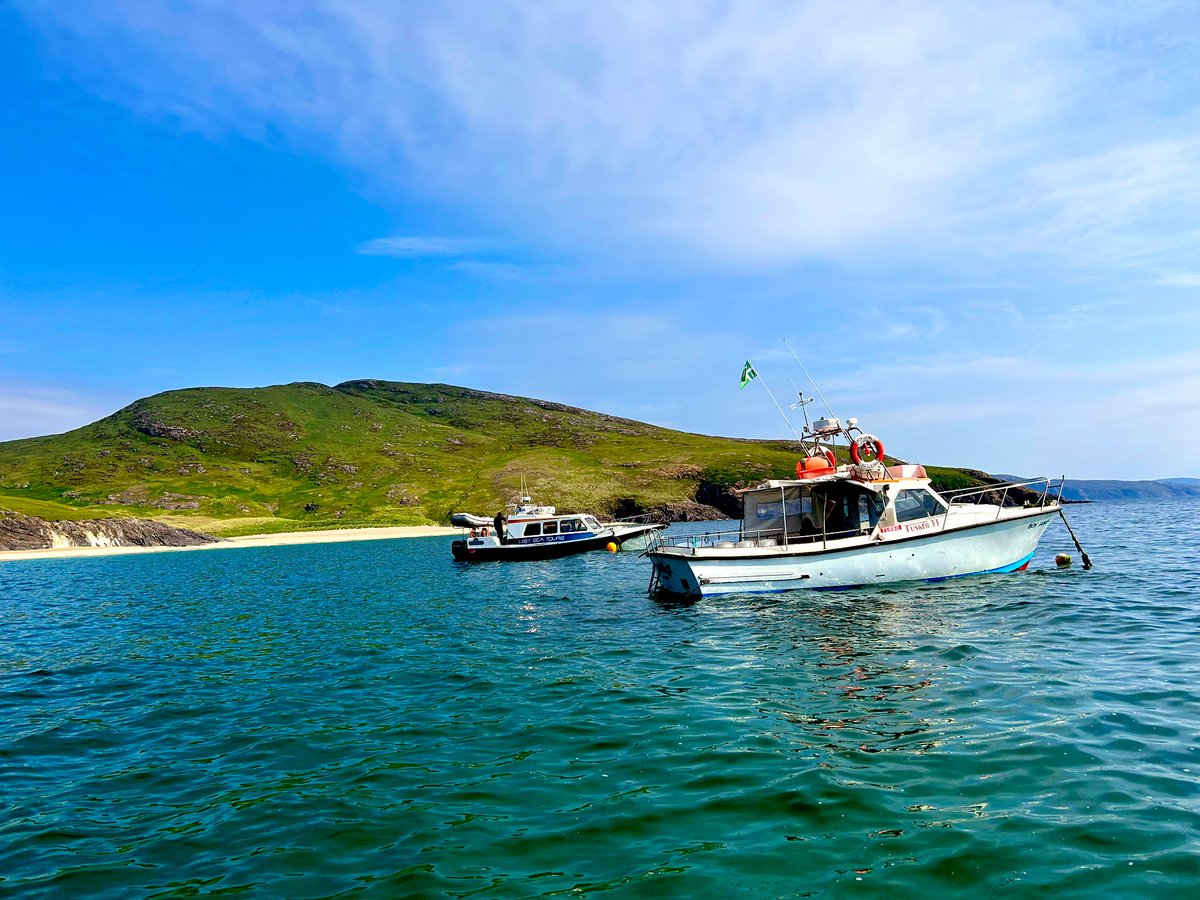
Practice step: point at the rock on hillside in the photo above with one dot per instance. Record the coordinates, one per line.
(18, 532)
(685, 511)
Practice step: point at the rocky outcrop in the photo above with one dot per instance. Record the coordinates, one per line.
(18, 532)
(686, 511)
(144, 421)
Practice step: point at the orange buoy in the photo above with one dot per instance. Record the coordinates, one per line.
(611, 547)
(812, 466)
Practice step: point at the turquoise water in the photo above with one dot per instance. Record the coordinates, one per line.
(374, 719)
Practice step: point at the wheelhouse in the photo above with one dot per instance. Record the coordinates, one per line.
(791, 512)
(788, 512)
(522, 529)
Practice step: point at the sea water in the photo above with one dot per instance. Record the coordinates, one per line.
(375, 719)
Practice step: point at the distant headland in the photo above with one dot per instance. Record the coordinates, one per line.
(1107, 490)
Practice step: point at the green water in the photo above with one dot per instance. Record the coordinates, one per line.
(374, 719)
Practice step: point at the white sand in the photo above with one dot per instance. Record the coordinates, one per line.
(336, 535)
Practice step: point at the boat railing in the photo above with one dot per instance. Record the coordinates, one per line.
(737, 538)
(639, 519)
(1049, 490)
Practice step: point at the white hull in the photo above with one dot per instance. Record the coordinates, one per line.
(1001, 545)
(624, 531)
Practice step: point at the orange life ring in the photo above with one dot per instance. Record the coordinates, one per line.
(866, 440)
(483, 532)
(473, 534)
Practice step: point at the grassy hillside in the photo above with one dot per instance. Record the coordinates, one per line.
(234, 460)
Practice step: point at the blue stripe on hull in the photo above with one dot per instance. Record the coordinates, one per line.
(1010, 567)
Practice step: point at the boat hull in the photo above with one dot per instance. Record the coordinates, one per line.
(465, 551)
(1001, 546)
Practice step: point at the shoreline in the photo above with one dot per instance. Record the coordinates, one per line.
(280, 539)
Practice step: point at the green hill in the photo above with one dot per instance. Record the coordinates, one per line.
(304, 455)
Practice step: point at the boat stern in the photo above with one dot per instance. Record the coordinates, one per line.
(672, 574)
(474, 549)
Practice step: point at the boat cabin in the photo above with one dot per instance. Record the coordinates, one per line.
(536, 529)
(526, 530)
(788, 512)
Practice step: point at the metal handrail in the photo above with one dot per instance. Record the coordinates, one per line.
(710, 539)
(1046, 481)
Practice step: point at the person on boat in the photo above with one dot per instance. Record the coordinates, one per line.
(501, 531)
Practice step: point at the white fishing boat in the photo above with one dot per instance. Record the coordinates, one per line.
(860, 523)
(529, 531)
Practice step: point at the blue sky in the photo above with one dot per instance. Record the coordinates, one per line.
(979, 227)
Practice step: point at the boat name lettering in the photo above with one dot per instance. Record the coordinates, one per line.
(921, 526)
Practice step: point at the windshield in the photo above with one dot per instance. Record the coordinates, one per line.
(916, 504)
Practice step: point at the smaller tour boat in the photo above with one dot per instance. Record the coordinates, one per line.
(528, 531)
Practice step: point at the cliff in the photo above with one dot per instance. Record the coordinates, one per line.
(18, 532)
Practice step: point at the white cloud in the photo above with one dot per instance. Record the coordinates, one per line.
(753, 134)
(417, 246)
(27, 411)
(1134, 206)
(1179, 279)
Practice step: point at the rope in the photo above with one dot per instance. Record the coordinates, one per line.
(1087, 563)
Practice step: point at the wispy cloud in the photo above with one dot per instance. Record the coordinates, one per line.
(749, 135)
(417, 246)
(29, 410)
(1132, 206)
(1179, 279)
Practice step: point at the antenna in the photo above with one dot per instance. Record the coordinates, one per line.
(800, 404)
(778, 407)
(810, 378)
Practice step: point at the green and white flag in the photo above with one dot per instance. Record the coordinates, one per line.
(748, 374)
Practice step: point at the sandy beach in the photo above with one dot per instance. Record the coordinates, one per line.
(331, 536)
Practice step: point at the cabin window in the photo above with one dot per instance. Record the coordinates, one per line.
(569, 525)
(591, 523)
(550, 528)
(870, 507)
(793, 506)
(768, 510)
(533, 529)
(916, 504)
(799, 506)
(842, 510)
